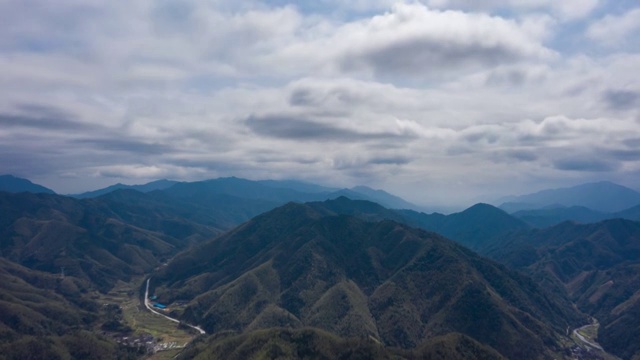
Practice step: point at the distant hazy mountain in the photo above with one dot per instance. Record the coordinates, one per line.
(10, 183)
(629, 214)
(556, 215)
(601, 196)
(296, 185)
(384, 198)
(154, 185)
(301, 266)
(475, 227)
(241, 199)
(266, 194)
(597, 265)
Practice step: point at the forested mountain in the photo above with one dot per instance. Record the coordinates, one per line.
(475, 227)
(300, 266)
(45, 316)
(596, 265)
(99, 240)
(10, 183)
(273, 192)
(340, 278)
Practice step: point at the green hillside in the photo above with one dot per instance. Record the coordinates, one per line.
(596, 265)
(297, 267)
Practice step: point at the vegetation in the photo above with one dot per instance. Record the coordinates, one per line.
(298, 265)
(312, 343)
(596, 265)
(332, 279)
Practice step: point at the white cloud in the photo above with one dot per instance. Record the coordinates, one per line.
(565, 10)
(406, 96)
(412, 39)
(615, 30)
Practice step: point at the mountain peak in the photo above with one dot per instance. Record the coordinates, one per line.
(10, 183)
(482, 207)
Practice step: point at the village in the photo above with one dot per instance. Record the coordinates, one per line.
(134, 327)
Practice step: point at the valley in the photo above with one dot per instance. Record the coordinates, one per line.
(161, 338)
(236, 269)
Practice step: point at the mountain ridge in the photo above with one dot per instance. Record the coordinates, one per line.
(596, 265)
(604, 196)
(265, 269)
(10, 183)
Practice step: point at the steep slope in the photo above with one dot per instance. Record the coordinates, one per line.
(45, 317)
(597, 265)
(297, 266)
(601, 196)
(313, 343)
(10, 183)
(97, 240)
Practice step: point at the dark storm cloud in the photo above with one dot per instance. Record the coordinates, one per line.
(585, 164)
(302, 97)
(622, 99)
(512, 77)
(424, 56)
(51, 121)
(487, 136)
(127, 145)
(634, 143)
(327, 98)
(390, 160)
(24, 163)
(455, 150)
(293, 127)
(624, 154)
(521, 155)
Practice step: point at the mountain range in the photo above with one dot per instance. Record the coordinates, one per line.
(601, 196)
(596, 265)
(324, 275)
(303, 266)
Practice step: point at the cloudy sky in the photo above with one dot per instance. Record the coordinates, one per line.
(434, 100)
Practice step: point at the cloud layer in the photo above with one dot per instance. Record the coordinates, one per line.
(438, 101)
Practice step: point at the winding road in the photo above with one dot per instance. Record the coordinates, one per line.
(576, 332)
(146, 304)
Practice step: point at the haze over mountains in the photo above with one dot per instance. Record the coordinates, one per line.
(602, 196)
(313, 271)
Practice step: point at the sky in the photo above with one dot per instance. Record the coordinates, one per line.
(438, 101)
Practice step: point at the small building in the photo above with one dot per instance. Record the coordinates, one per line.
(153, 297)
(159, 306)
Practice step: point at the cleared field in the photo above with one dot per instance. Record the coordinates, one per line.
(164, 331)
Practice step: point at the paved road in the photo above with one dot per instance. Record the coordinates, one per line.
(146, 304)
(585, 340)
